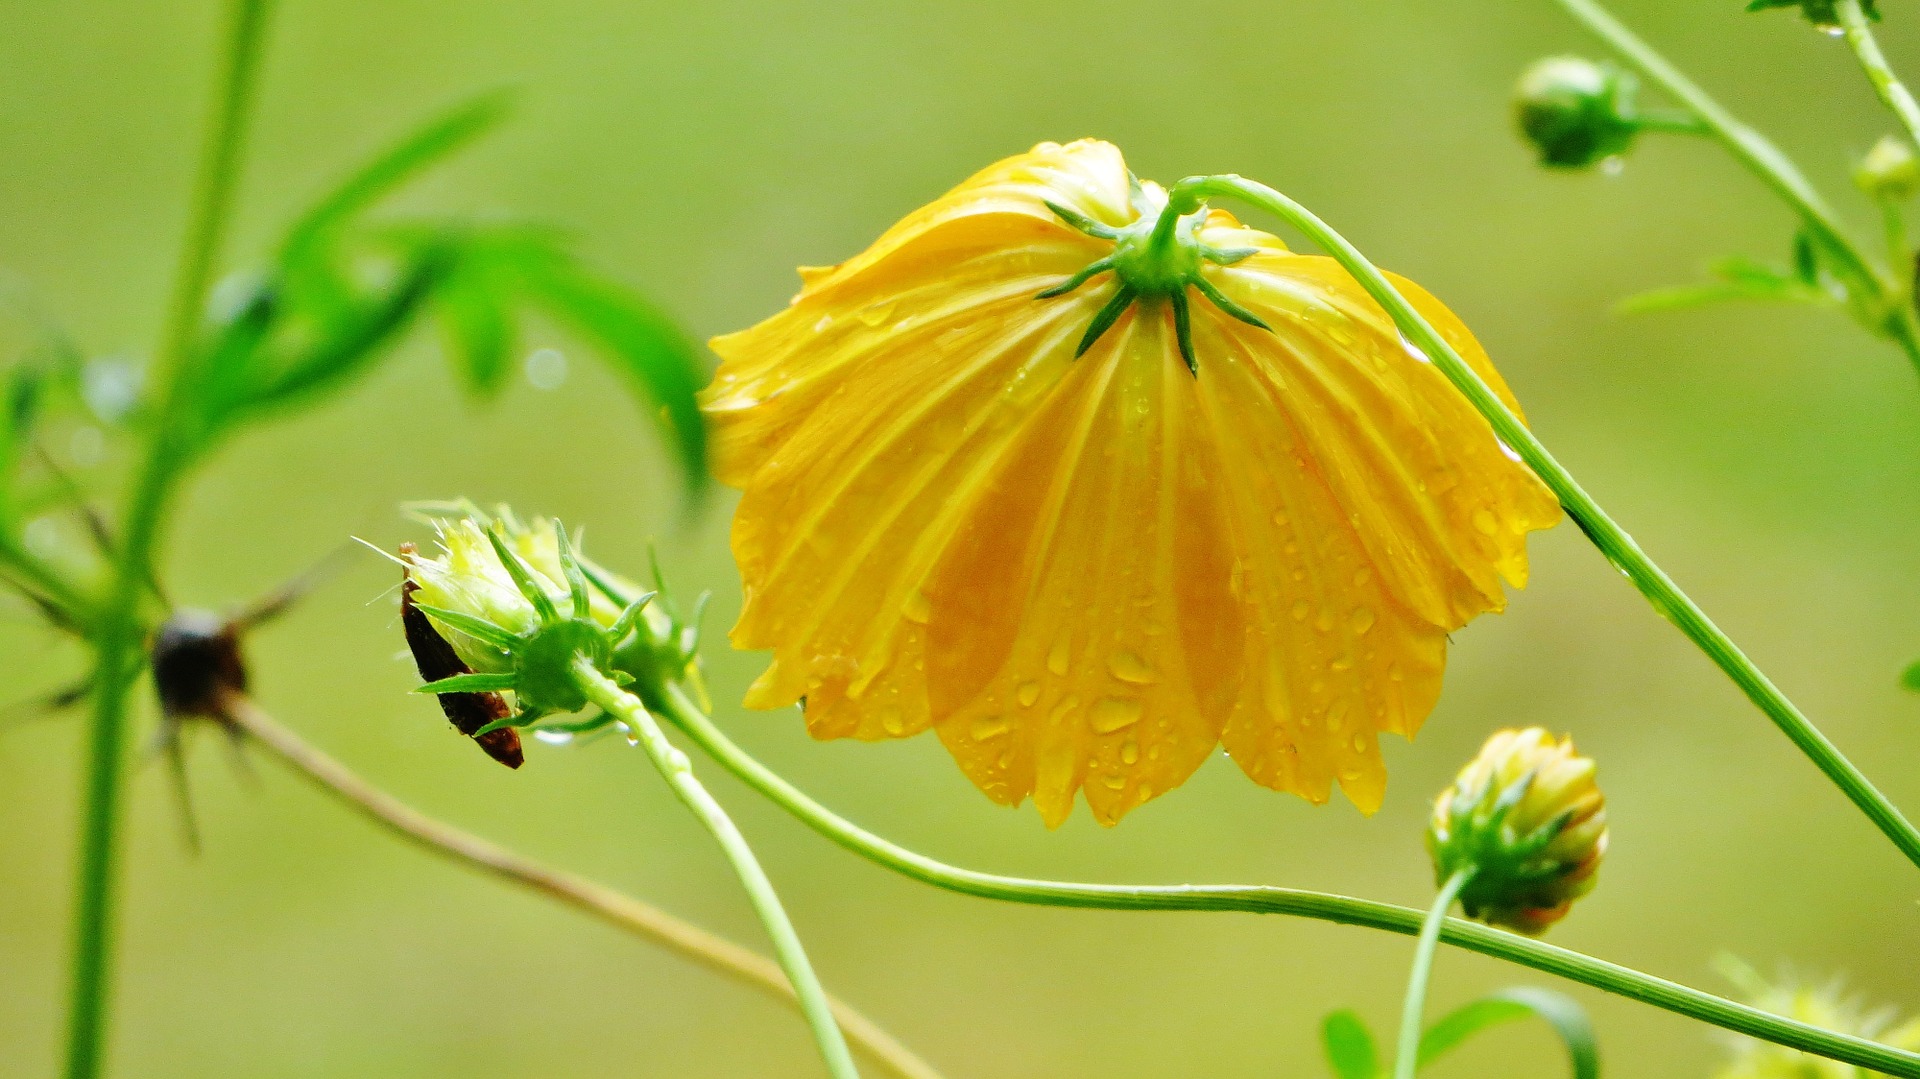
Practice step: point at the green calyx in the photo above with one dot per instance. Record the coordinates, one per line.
(544, 678)
(1158, 257)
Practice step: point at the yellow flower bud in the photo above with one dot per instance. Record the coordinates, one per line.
(1890, 172)
(1526, 820)
(1827, 1006)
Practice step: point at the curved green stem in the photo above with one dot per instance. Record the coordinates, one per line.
(1893, 93)
(1613, 541)
(1892, 315)
(674, 767)
(117, 638)
(1407, 1059)
(674, 704)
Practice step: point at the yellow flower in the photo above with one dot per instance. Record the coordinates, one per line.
(1086, 573)
(1825, 1006)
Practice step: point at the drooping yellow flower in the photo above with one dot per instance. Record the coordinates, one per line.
(1087, 571)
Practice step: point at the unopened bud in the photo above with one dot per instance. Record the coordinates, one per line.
(1890, 172)
(1576, 112)
(1526, 821)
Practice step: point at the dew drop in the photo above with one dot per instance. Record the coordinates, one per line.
(1129, 752)
(987, 728)
(1361, 620)
(1301, 609)
(1112, 714)
(1485, 521)
(1343, 663)
(1063, 709)
(821, 326)
(1613, 166)
(1027, 693)
(1057, 658)
(875, 314)
(1324, 623)
(1359, 743)
(893, 721)
(1129, 667)
(918, 607)
(1361, 576)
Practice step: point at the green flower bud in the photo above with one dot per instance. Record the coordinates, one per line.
(1525, 818)
(1890, 172)
(1575, 112)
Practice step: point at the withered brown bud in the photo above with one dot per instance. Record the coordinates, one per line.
(197, 665)
(435, 659)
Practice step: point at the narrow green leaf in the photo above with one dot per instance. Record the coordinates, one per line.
(478, 323)
(1806, 262)
(1349, 1046)
(306, 256)
(656, 358)
(1910, 678)
(1784, 290)
(1567, 1019)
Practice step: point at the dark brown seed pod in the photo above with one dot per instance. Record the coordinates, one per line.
(197, 665)
(435, 659)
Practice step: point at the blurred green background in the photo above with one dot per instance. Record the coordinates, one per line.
(1770, 458)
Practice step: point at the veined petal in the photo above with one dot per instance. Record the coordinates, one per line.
(1087, 573)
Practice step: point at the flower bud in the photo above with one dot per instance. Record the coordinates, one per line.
(1826, 1005)
(1890, 172)
(1575, 112)
(1526, 820)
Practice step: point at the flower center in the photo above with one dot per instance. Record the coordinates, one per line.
(1160, 255)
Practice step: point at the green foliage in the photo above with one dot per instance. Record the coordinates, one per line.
(1349, 1046)
(1910, 677)
(1351, 1053)
(1818, 12)
(1742, 278)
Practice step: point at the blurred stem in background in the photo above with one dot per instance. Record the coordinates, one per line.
(711, 951)
(674, 705)
(1880, 300)
(1893, 93)
(116, 637)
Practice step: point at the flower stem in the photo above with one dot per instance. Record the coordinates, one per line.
(1613, 541)
(117, 631)
(1892, 315)
(1407, 1060)
(678, 772)
(641, 919)
(1893, 93)
(1258, 899)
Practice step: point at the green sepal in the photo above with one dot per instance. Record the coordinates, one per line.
(1082, 222)
(469, 683)
(1122, 297)
(1219, 299)
(1092, 268)
(570, 569)
(523, 576)
(523, 718)
(473, 626)
(1183, 331)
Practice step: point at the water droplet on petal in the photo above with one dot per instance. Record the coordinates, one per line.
(1301, 609)
(1027, 693)
(918, 607)
(1129, 752)
(1485, 521)
(893, 721)
(1062, 651)
(1361, 620)
(1112, 714)
(987, 728)
(1129, 667)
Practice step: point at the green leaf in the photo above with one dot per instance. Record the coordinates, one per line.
(649, 349)
(1567, 1019)
(475, 315)
(1349, 1046)
(306, 256)
(1910, 678)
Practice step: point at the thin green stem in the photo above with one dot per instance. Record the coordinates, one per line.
(678, 772)
(674, 704)
(118, 631)
(1613, 541)
(1887, 310)
(34, 572)
(1407, 1059)
(1893, 93)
